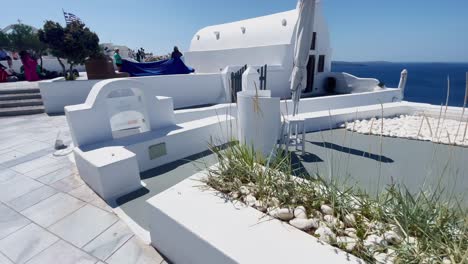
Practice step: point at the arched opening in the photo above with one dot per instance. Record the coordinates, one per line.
(127, 112)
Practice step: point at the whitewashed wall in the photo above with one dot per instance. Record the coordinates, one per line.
(266, 40)
(58, 93)
(186, 90)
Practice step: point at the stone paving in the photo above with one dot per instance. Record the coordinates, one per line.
(47, 213)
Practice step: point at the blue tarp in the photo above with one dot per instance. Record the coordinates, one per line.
(164, 67)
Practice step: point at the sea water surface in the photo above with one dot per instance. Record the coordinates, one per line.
(427, 82)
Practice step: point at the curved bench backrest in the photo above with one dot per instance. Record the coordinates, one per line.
(118, 100)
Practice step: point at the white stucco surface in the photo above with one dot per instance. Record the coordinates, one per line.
(186, 90)
(111, 172)
(258, 120)
(211, 229)
(255, 42)
(58, 93)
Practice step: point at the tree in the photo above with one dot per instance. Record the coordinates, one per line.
(23, 38)
(75, 42)
(4, 41)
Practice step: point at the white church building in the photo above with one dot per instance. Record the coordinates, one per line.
(263, 40)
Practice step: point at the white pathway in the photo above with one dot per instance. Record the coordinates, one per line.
(47, 213)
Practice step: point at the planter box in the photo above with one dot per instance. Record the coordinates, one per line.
(102, 69)
(192, 225)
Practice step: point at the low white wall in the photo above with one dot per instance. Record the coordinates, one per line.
(186, 90)
(210, 229)
(58, 93)
(276, 57)
(193, 114)
(314, 104)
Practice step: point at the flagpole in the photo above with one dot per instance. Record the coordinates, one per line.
(64, 17)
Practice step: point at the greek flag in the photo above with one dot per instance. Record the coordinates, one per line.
(69, 18)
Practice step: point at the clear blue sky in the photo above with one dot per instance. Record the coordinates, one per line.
(361, 30)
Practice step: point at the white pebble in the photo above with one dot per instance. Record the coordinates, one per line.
(304, 224)
(300, 212)
(326, 209)
(348, 242)
(326, 235)
(284, 214)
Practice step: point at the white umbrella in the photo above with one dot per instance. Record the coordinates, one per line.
(304, 35)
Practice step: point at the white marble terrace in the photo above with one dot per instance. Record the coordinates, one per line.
(47, 213)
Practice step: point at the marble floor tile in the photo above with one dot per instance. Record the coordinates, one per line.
(5, 260)
(33, 164)
(134, 251)
(10, 221)
(84, 193)
(22, 158)
(43, 171)
(62, 253)
(16, 185)
(69, 183)
(10, 156)
(99, 202)
(6, 174)
(26, 243)
(53, 209)
(89, 221)
(57, 175)
(109, 241)
(34, 146)
(31, 198)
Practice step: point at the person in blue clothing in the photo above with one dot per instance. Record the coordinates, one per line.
(176, 54)
(118, 60)
(4, 56)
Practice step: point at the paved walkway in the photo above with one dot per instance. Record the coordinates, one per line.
(47, 213)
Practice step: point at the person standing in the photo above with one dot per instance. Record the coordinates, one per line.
(118, 59)
(142, 54)
(30, 67)
(138, 56)
(176, 54)
(4, 56)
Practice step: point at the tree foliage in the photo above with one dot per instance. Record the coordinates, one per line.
(4, 41)
(75, 42)
(22, 37)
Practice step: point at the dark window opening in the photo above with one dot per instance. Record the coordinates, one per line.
(310, 74)
(321, 63)
(314, 41)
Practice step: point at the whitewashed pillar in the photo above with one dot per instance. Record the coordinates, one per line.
(403, 80)
(259, 118)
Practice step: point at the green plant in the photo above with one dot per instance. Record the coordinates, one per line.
(75, 43)
(432, 229)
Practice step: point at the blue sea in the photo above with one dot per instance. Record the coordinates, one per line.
(427, 82)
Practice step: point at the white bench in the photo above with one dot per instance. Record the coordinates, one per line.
(111, 171)
(112, 168)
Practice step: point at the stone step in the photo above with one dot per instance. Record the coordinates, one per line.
(24, 110)
(19, 103)
(20, 96)
(19, 90)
